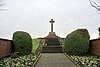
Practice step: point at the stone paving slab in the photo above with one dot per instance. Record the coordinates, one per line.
(54, 60)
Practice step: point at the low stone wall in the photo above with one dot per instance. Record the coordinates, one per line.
(6, 47)
(95, 46)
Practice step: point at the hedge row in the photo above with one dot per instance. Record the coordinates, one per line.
(76, 42)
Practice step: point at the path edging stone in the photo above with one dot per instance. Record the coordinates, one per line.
(72, 60)
(37, 59)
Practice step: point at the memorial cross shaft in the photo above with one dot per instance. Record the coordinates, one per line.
(52, 21)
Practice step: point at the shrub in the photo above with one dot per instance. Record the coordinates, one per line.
(22, 42)
(99, 29)
(77, 42)
(14, 55)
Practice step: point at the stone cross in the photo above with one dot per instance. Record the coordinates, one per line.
(52, 21)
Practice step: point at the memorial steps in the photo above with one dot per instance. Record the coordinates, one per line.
(52, 49)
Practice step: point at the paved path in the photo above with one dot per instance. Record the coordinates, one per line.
(54, 60)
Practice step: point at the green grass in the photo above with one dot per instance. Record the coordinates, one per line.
(35, 44)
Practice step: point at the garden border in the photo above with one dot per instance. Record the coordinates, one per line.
(37, 60)
(72, 60)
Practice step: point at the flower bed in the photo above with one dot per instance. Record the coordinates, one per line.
(20, 61)
(23, 60)
(86, 61)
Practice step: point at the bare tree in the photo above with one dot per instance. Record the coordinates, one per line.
(95, 4)
(1, 5)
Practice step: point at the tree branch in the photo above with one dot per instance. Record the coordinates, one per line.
(94, 4)
(2, 4)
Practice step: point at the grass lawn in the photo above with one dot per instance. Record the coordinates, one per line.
(35, 44)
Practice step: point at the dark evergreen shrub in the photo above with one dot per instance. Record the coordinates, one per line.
(22, 42)
(77, 42)
(53, 41)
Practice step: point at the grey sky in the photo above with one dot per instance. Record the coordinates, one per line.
(33, 16)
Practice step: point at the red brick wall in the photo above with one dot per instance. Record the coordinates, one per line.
(95, 46)
(6, 47)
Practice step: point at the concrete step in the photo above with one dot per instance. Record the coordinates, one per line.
(52, 49)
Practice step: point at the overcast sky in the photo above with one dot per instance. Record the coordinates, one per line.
(33, 17)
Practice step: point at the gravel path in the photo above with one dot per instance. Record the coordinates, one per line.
(54, 60)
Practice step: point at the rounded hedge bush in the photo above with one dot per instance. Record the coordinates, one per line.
(77, 42)
(23, 42)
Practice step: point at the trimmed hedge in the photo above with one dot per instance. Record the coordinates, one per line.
(23, 42)
(77, 42)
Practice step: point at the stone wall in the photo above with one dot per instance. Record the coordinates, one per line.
(95, 46)
(6, 47)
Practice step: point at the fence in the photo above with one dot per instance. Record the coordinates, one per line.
(6, 47)
(95, 46)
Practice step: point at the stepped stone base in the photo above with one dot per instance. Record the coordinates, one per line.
(52, 49)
